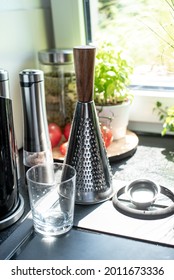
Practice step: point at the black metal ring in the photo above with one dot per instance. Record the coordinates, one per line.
(144, 214)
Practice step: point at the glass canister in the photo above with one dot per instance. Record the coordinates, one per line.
(60, 84)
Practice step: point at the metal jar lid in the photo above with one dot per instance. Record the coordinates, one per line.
(56, 56)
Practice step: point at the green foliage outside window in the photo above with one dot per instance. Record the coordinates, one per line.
(142, 27)
(145, 28)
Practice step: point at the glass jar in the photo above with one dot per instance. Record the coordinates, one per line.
(60, 85)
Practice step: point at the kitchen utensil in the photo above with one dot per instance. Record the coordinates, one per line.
(162, 207)
(86, 151)
(9, 192)
(142, 192)
(36, 146)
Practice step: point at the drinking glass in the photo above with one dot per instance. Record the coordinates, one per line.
(52, 197)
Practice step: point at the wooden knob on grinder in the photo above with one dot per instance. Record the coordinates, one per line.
(84, 62)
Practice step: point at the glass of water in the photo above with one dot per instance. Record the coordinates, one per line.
(52, 197)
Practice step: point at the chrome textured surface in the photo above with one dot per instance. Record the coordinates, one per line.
(86, 152)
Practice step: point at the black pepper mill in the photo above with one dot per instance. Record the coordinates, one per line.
(11, 203)
(86, 151)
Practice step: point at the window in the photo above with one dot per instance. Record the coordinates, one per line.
(143, 29)
(133, 25)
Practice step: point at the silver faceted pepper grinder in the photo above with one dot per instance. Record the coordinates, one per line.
(36, 146)
(86, 151)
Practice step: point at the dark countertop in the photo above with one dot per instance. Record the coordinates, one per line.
(153, 158)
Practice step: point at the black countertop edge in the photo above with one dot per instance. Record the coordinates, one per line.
(22, 236)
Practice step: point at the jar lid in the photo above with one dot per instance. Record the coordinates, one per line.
(56, 56)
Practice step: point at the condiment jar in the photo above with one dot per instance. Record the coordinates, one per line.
(60, 84)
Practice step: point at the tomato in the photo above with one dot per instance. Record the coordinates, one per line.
(55, 134)
(107, 135)
(66, 131)
(63, 148)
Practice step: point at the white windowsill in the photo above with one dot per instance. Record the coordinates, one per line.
(142, 116)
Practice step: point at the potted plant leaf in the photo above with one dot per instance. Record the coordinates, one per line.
(111, 93)
(166, 115)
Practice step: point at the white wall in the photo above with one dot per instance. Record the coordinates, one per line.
(69, 16)
(25, 28)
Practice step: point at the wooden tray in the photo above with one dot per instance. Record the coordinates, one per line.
(123, 147)
(119, 149)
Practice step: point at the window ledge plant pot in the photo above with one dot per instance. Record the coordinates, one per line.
(119, 117)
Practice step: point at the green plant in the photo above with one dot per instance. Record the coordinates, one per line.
(112, 76)
(166, 115)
